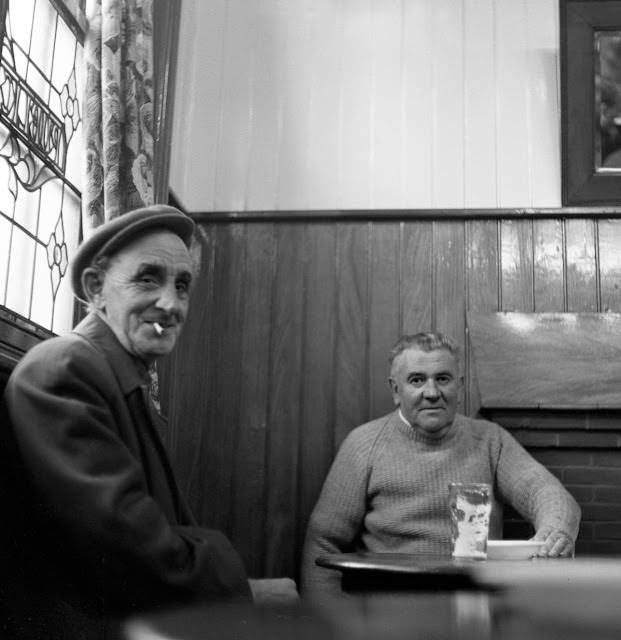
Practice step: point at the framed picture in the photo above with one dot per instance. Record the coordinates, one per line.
(590, 56)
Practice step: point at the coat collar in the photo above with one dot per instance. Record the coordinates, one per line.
(129, 370)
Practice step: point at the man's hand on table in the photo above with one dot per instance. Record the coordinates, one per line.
(274, 591)
(556, 544)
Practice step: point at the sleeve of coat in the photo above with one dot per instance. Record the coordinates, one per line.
(91, 490)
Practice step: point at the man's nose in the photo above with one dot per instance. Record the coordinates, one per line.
(431, 389)
(168, 300)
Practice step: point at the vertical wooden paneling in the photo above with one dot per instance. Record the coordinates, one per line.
(355, 115)
(250, 490)
(543, 104)
(324, 121)
(482, 264)
(447, 105)
(416, 277)
(512, 118)
(482, 287)
(479, 110)
(219, 446)
(317, 373)
(516, 259)
(352, 365)
(548, 263)
(234, 110)
(581, 266)
(359, 104)
(610, 264)
(189, 370)
(194, 142)
(268, 41)
(294, 133)
(417, 113)
(384, 295)
(450, 282)
(385, 101)
(284, 399)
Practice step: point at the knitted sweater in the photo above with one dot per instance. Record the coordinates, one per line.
(387, 491)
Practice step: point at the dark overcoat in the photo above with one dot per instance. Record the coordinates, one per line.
(94, 528)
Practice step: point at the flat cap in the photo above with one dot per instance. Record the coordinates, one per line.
(113, 235)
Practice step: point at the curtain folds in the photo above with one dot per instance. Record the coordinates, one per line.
(118, 109)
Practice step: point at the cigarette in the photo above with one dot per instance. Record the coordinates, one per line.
(158, 328)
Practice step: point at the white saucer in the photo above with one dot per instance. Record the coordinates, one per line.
(512, 549)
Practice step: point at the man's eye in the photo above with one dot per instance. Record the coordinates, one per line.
(444, 379)
(183, 286)
(146, 279)
(417, 381)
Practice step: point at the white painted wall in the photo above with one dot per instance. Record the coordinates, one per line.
(361, 104)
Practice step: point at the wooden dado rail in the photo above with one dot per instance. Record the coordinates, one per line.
(341, 215)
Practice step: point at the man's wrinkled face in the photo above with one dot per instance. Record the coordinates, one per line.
(425, 385)
(145, 283)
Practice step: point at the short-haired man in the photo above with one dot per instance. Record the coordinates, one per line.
(387, 490)
(94, 526)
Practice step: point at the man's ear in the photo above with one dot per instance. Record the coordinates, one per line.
(394, 388)
(92, 284)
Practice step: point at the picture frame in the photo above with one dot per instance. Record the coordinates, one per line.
(590, 47)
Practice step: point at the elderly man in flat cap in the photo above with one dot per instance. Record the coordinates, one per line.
(94, 526)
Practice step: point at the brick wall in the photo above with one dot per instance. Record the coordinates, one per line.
(583, 450)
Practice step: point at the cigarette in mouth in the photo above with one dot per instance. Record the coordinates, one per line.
(158, 328)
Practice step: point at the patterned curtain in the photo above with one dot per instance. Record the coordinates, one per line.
(118, 109)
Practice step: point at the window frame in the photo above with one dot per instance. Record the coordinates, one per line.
(17, 333)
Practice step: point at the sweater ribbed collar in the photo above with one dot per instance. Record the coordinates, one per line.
(404, 426)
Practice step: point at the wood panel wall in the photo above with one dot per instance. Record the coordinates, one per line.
(285, 348)
(324, 104)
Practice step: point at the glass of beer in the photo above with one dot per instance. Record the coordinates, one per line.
(470, 506)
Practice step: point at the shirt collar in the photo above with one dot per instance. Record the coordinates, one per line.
(403, 418)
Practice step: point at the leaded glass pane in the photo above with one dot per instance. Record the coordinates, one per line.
(21, 13)
(26, 211)
(40, 162)
(6, 229)
(21, 257)
(43, 38)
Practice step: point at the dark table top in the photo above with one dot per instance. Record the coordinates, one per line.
(400, 571)
(539, 599)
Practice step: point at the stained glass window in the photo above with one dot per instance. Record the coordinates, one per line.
(40, 167)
